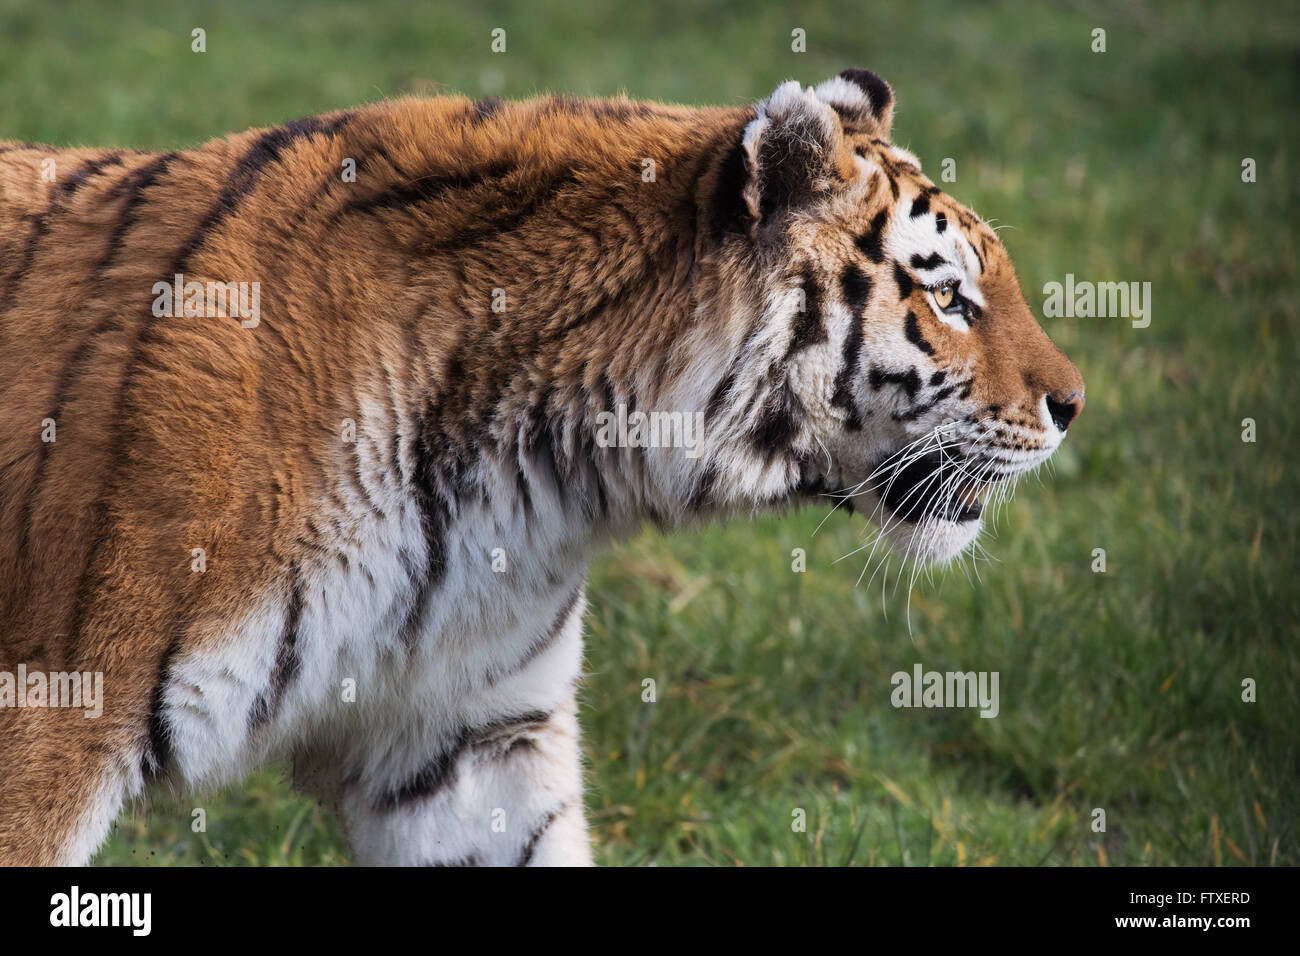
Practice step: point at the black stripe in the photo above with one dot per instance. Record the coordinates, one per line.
(919, 410)
(435, 519)
(857, 288)
(702, 488)
(132, 186)
(808, 329)
(435, 776)
(853, 116)
(905, 283)
(536, 446)
(158, 752)
(521, 489)
(909, 381)
(530, 847)
(727, 384)
(269, 147)
(920, 205)
(932, 261)
(286, 655)
(507, 735)
(730, 212)
(778, 421)
(539, 441)
(427, 188)
(912, 329)
(92, 167)
(501, 217)
(543, 641)
(443, 770)
(720, 394)
(62, 194)
(940, 222)
(871, 243)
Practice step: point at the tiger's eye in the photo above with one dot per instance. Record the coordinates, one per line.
(943, 296)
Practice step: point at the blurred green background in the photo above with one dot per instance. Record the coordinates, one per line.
(1119, 690)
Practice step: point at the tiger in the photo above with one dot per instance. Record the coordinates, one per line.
(347, 531)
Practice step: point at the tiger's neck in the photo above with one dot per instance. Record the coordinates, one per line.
(574, 291)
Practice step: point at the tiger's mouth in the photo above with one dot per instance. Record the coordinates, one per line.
(935, 486)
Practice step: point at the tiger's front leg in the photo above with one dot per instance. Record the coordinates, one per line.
(498, 785)
(505, 794)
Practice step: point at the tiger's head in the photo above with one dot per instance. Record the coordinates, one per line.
(893, 356)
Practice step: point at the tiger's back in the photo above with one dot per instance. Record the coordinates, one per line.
(168, 481)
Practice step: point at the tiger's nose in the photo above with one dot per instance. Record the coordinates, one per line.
(1064, 412)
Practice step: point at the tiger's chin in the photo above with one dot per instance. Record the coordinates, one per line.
(932, 539)
(926, 520)
(929, 507)
(927, 536)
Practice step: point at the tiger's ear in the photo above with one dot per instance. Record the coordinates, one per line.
(794, 150)
(864, 102)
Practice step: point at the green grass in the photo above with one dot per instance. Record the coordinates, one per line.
(1119, 690)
